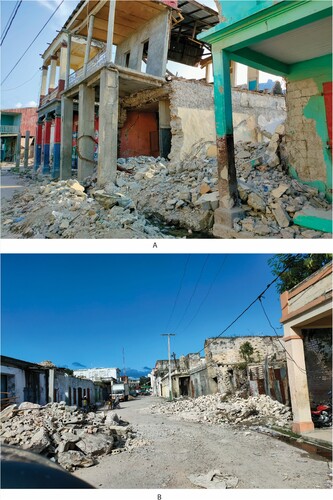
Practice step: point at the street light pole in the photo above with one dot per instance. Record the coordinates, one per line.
(169, 359)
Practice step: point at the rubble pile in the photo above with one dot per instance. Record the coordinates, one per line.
(64, 210)
(152, 192)
(64, 434)
(255, 410)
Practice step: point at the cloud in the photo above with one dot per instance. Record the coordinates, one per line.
(63, 12)
(31, 104)
(78, 365)
(18, 105)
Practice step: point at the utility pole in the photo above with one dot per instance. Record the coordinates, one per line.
(170, 385)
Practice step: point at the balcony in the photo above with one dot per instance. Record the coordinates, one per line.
(93, 65)
(9, 129)
(49, 97)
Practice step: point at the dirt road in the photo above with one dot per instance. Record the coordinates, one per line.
(173, 450)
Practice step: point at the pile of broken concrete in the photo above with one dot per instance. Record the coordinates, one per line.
(65, 434)
(153, 197)
(64, 210)
(216, 409)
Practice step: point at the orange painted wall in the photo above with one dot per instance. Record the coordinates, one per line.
(137, 133)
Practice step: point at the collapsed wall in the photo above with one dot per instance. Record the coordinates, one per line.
(255, 117)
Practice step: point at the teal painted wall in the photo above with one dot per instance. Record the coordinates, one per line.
(7, 119)
(234, 11)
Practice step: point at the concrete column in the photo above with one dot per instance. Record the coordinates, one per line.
(47, 136)
(108, 127)
(233, 73)
(209, 73)
(26, 148)
(88, 45)
(18, 151)
(86, 128)
(298, 385)
(164, 128)
(252, 79)
(57, 142)
(53, 73)
(67, 137)
(68, 62)
(38, 144)
(227, 181)
(43, 87)
(109, 42)
(63, 65)
(51, 385)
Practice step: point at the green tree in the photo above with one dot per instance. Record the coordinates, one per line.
(246, 350)
(277, 89)
(144, 381)
(299, 267)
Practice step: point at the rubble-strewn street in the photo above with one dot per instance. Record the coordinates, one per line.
(158, 192)
(178, 453)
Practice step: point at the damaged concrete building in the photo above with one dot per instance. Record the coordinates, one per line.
(253, 364)
(43, 383)
(114, 103)
(307, 323)
(293, 40)
(188, 377)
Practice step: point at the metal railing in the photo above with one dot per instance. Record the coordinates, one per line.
(93, 65)
(9, 129)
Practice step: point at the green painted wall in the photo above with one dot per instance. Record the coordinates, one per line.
(234, 11)
(7, 119)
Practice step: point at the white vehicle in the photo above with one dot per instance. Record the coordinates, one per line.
(120, 390)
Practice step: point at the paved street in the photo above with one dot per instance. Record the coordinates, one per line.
(10, 184)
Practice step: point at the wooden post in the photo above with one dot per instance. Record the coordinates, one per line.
(26, 149)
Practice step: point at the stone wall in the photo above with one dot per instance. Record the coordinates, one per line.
(303, 145)
(318, 360)
(227, 350)
(199, 383)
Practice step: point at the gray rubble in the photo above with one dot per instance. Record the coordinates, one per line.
(153, 192)
(65, 434)
(215, 409)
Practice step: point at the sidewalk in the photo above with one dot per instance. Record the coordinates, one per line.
(322, 436)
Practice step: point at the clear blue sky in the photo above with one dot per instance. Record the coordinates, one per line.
(22, 87)
(85, 309)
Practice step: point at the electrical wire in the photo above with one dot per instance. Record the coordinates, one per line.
(20, 59)
(207, 294)
(10, 21)
(270, 324)
(27, 81)
(193, 293)
(179, 289)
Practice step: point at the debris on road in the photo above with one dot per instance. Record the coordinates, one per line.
(159, 192)
(255, 410)
(64, 434)
(214, 479)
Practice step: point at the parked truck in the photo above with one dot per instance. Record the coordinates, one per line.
(120, 390)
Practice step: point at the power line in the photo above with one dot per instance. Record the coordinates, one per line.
(27, 81)
(284, 347)
(10, 21)
(249, 306)
(20, 59)
(179, 289)
(208, 292)
(193, 293)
